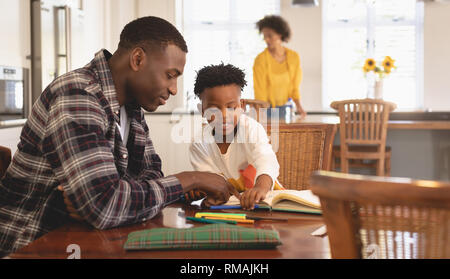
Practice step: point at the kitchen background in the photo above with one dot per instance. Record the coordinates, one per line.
(97, 24)
(104, 19)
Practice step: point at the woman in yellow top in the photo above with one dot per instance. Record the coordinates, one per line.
(276, 70)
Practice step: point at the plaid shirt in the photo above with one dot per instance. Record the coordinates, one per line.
(71, 139)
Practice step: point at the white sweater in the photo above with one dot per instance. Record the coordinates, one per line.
(250, 146)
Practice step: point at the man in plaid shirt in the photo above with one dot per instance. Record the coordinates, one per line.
(87, 135)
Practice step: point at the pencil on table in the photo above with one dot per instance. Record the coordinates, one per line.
(210, 221)
(221, 215)
(237, 220)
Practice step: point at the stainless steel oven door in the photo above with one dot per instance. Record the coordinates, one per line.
(14, 96)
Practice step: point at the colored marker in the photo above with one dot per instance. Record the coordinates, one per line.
(224, 219)
(228, 206)
(210, 221)
(266, 218)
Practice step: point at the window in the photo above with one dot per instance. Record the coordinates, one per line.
(223, 31)
(354, 30)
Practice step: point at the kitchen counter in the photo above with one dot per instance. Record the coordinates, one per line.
(392, 124)
(395, 115)
(397, 120)
(12, 123)
(420, 148)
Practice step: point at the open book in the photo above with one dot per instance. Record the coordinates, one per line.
(287, 200)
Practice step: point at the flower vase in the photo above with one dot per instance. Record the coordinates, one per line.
(378, 90)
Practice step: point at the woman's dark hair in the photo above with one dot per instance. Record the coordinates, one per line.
(151, 31)
(277, 24)
(217, 75)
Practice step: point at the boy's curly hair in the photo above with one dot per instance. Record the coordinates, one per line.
(217, 75)
(277, 24)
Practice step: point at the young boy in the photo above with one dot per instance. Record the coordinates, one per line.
(233, 144)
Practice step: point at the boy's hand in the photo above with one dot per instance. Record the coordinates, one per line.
(69, 206)
(256, 194)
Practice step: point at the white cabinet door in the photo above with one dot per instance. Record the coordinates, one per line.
(10, 137)
(171, 136)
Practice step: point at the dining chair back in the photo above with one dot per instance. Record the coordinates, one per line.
(301, 148)
(384, 217)
(363, 130)
(253, 107)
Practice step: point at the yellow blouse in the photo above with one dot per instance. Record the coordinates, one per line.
(276, 82)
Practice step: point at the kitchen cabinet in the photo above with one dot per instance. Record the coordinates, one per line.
(171, 135)
(10, 137)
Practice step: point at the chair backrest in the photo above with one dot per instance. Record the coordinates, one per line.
(301, 148)
(384, 217)
(363, 121)
(5, 159)
(253, 107)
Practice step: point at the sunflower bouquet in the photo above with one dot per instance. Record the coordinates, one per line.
(383, 70)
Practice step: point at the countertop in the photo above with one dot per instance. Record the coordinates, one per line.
(399, 119)
(396, 115)
(12, 123)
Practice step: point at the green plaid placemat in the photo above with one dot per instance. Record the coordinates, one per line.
(214, 236)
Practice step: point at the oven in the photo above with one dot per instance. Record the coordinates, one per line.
(14, 93)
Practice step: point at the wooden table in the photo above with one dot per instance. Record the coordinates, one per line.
(295, 235)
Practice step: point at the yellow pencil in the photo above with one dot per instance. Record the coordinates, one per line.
(221, 215)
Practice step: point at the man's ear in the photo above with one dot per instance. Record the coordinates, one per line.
(137, 59)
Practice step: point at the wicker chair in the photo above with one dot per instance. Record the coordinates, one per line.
(252, 107)
(301, 148)
(363, 130)
(5, 159)
(383, 217)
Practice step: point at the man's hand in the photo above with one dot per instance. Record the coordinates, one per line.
(69, 206)
(194, 195)
(211, 200)
(256, 194)
(217, 189)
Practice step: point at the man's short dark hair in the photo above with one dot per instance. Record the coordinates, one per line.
(277, 24)
(218, 75)
(151, 31)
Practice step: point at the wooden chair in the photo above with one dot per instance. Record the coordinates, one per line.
(363, 129)
(383, 217)
(301, 148)
(253, 107)
(5, 159)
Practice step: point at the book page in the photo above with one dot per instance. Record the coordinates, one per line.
(233, 201)
(287, 205)
(305, 197)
